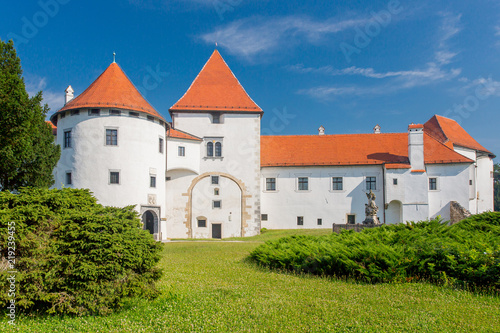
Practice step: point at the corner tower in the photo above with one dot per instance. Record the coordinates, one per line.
(112, 143)
(222, 197)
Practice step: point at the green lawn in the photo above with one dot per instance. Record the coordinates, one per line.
(208, 287)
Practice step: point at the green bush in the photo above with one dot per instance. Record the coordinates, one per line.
(74, 256)
(466, 254)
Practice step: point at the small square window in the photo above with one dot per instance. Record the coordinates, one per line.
(67, 139)
(337, 184)
(69, 179)
(152, 181)
(151, 118)
(371, 183)
(320, 221)
(215, 180)
(215, 118)
(217, 204)
(270, 184)
(114, 177)
(182, 151)
(160, 145)
(470, 182)
(351, 219)
(216, 191)
(432, 184)
(94, 112)
(300, 220)
(115, 112)
(303, 183)
(75, 112)
(202, 223)
(263, 217)
(395, 181)
(133, 114)
(111, 137)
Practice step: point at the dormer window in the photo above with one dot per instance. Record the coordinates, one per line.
(94, 112)
(115, 112)
(215, 118)
(151, 118)
(134, 114)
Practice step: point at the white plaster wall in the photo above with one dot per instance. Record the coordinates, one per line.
(240, 133)
(396, 192)
(286, 203)
(136, 157)
(176, 202)
(484, 184)
(191, 160)
(452, 185)
(469, 153)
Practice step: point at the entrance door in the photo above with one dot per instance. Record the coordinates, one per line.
(149, 221)
(217, 231)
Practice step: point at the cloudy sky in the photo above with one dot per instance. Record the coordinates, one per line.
(347, 65)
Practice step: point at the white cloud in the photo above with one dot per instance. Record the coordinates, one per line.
(254, 36)
(34, 84)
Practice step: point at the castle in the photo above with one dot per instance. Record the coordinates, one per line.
(209, 173)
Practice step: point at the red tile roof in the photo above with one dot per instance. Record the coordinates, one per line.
(112, 89)
(449, 132)
(54, 128)
(351, 149)
(412, 126)
(216, 89)
(173, 133)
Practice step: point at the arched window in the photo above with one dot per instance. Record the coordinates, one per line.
(218, 149)
(210, 149)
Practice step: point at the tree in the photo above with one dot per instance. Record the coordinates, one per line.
(496, 186)
(28, 152)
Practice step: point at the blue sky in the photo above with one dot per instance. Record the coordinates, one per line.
(346, 65)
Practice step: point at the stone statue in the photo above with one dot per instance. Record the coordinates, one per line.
(371, 209)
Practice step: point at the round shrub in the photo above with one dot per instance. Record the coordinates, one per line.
(72, 255)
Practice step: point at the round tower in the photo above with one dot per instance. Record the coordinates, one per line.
(113, 143)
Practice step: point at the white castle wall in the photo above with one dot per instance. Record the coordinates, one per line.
(136, 157)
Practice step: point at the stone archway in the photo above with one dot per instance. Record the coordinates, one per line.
(244, 215)
(393, 213)
(150, 221)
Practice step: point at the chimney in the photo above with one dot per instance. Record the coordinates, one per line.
(321, 130)
(416, 147)
(69, 94)
(376, 129)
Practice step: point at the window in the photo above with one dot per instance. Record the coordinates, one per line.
(94, 112)
(67, 139)
(320, 221)
(63, 115)
(215, 118)
(303, 184)
(210, 149)
(351, 219)
(432, 184)
(69, 181)
(470, 182)
(182, 151)
(263, 217)
(114, 177)
(218, 149)
(215, 180)
(216, 191)
(395, 181)
(270, 184)
(111, 137)
(151, 118)
(133, 114)
(202, 223)
(160, 145)
(217, 204)
(300, 220)
(371, 183)
(152, 181)
(115, 112)
(337, 184)
(75, 112)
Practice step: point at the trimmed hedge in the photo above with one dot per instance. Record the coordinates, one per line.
(466, 254)
(74, 256)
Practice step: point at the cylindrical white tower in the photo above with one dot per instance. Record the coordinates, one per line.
(113, 143)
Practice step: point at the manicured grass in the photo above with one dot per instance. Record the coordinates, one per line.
(210, 287)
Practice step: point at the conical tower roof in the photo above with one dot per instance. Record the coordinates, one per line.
(112, 89)
(216, 89)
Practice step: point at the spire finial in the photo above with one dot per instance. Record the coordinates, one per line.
(114, 56)
(215, 44)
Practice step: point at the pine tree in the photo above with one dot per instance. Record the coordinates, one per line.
(28, 153)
